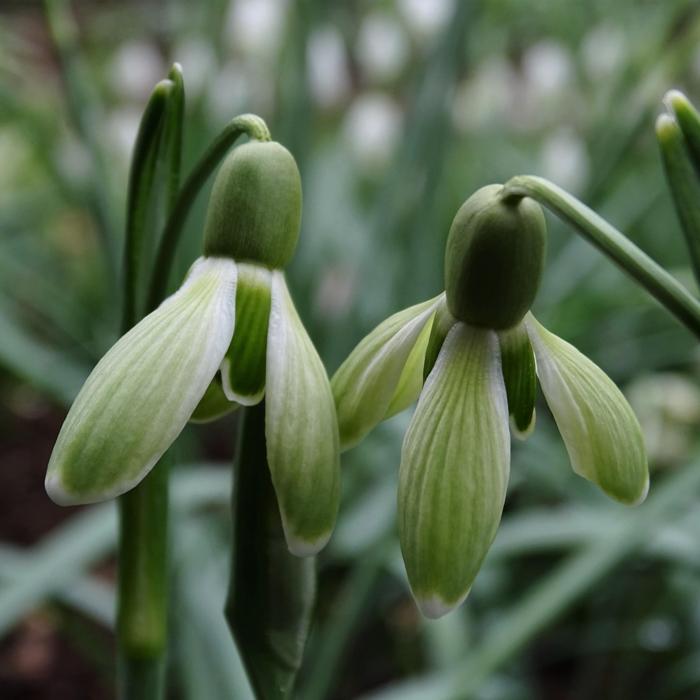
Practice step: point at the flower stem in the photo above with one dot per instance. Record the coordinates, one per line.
(271, 592)
(248, 124)
(670, 293)
(142, 603)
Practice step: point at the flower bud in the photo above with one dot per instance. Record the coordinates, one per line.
(494, 258)
(254, 212)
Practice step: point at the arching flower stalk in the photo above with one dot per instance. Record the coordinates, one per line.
(233, 313)
(472, 357)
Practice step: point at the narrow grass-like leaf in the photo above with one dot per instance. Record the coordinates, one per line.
(684, 183)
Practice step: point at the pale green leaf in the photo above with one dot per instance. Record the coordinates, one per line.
(454, 470)
(142, 392)
(301, 428)
(599, 428)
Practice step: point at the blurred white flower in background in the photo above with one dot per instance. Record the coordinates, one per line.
(238, 86)
(486, 98)
(564, 159)
(382, 48)
(335, 292)
(371, 128)
(121, 128)
(134, 69)
(668, 407)
(327, 69)
(198, 63)
(547, 68)
(256, 26)
(426, 17)
(603, 51)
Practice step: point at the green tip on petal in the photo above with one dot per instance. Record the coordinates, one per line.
(601, 433)
(455, 463)
(300, 428)
(243, 368)
(143, 391)
(384, 373)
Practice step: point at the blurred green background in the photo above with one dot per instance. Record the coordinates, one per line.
(396, 112)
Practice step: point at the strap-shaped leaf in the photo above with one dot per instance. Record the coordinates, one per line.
(520, 377)
(454, 470)
(243, 368)
(301, 428)
(142, 392)
(367, 382)
(599, 428)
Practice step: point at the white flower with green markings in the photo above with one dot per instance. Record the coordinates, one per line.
(229, 336)
(472, 357)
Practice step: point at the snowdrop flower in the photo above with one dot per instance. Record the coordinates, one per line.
(233, 313)
(472, 356)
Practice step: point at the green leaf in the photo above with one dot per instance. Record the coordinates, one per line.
(520, 377)
(243, 368)
(688, 120)
(599, 428)
(683, 182)
(301, 428)
(371, 377)
(454, 470)
(141, 394)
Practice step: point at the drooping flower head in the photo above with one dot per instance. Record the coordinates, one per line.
(233, 314)
(472, 356)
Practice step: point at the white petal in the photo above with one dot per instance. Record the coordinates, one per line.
(601, 432)
(454, 470)
(371, 383)
(140, 395)
(301, 428)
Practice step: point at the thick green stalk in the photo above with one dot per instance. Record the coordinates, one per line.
(142, 602)
(621, 250)
(247, 124)
(271, 592)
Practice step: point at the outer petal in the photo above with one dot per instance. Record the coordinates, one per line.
(454, 470)
(601, 432)
(243, 368)
(365, 385)
(142, 392)
(301, 429)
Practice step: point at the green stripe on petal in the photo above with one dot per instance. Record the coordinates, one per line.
(520, 377)
(243, 368)
(454, 471)
(301, 429)
(369, 379)
(142, 392)
(601, 432)
(441, 325)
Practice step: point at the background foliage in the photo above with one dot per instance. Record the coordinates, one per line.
(396, 112)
